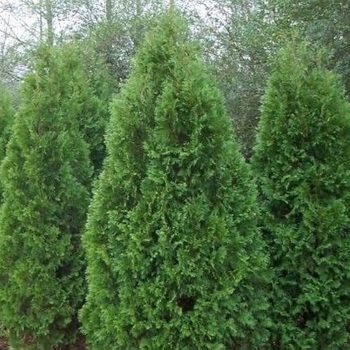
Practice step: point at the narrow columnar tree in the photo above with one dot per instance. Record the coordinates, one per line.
(302, 163)
(46, 178)
(175, 259)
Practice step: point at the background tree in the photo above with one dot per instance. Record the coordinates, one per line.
(302, 163)
(238, 44)
(41, 21)
(46, 180)
(239, 41)
(174, 255)
(323, 22)
(24, 25)
(116, 33)
(242, 37)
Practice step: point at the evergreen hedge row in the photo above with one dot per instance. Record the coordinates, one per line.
(174, 251)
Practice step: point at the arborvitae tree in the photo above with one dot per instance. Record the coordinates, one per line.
(302, 163)
(175, 259)
(46, 176)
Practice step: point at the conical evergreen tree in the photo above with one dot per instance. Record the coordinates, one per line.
(174, 256)
(46, 176)
(302, 162)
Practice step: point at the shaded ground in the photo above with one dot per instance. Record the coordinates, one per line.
(80, 345)
(3, 344)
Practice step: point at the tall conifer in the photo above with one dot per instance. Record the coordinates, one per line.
(174, 256)
(302, 163)
(46, 178)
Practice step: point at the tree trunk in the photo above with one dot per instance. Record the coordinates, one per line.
(49, 21)
(109, 10)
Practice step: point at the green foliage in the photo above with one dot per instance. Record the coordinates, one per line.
(302, 162)
(6, 120)
(94, 92)
(175, 259)
(46, 177)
